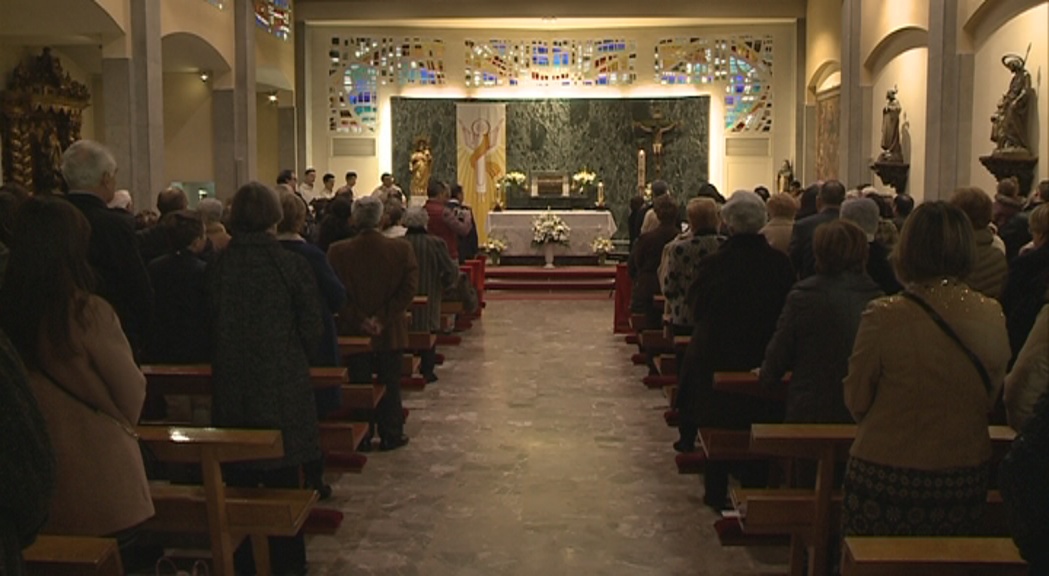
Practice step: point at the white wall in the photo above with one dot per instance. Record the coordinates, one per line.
(188, 130)
(782, 143)
(909, 72)
(992, 81)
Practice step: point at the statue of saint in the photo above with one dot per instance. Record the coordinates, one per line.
(784, 177)
(1009, 122)
(421, 166)
(891, 150)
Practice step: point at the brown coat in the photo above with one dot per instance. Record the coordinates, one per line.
(918, 400)
(381, 276)
(101, 483)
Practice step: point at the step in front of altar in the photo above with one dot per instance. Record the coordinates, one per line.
(536, 278)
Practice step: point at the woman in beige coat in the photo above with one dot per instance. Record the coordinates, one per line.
(82, 374)
(918, 466)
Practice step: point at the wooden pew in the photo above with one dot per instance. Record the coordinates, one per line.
(623, 290)
(747, 383)
(227, 514)
(931, 557)
(826, 444)
(73, 556)
(353, 345)
(195, 379)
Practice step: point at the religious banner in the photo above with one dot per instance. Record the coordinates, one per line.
(481, 156)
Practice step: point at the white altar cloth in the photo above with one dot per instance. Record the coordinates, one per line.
(515, 227)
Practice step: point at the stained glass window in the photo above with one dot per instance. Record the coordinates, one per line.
(353, 85)
(274, 16)
(743, 64)
(550, 62)
(220, 4)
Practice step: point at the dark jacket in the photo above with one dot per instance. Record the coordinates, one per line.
(800, 250)
(470, 243)
(27, 463)
(643, 265)
(737, 298)
(437, 273)
(267, 324)
(332, 298)
(813, 338)
(153, 242)
(880, 269)
(1024, 294)
(122, 277)
(182, 330)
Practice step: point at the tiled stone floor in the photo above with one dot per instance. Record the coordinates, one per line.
(538, 452)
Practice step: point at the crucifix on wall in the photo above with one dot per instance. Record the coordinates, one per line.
(657, 127)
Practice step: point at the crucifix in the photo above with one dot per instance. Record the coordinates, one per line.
(657, 127)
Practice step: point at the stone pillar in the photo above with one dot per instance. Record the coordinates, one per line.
(948, 113)
(245, 133)
(856, 100)
(118, 96)
(147, 89)
(223, 119)
(801, 156)
(286, 142)
(302, 133)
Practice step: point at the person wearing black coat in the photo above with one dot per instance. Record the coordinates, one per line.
(815, 332)
(90, 171)
(645, 257)
(828, 203)
(1027, 286)
(736, 299)
(182, 332)
(27, 463)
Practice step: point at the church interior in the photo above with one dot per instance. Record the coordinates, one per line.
(538, 450)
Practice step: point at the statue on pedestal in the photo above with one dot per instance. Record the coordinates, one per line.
(1009, 122)
(421, 165)
(784, 177)
(891, 150)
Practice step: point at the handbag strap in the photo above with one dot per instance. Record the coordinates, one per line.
(124, 424)
(986, 378)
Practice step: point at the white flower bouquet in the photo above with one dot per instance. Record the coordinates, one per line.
(549, 228)
(514, 179)
(584, 178)
(494, 246)
(602, 245)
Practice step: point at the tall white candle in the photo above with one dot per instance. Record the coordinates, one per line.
(640, 168)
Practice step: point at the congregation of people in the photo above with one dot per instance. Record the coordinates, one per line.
(922, 325)
(259, 287)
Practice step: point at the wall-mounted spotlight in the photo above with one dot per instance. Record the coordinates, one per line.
(204, 76)
(272, 98)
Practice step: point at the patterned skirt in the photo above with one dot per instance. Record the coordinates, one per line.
(888, 501)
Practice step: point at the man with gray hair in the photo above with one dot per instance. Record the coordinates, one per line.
(736, 300)
(90, 171)
(650, 222)
(828, 204)
(864, 213)
(381, 276)
(437, 273)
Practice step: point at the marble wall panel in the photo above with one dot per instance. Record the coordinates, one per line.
(568, 135)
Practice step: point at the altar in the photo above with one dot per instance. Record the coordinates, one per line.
(515, 227)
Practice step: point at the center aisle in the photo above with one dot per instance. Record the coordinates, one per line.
(538, 452)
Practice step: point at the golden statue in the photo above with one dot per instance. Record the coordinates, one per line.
(421, 166)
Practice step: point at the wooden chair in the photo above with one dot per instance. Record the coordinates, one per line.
(228, 515)
(73, 556)
(931, 557)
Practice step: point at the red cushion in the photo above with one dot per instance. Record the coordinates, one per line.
(671, 417)
(439, 359)
(639, 359)
(691, 462)
(322, 521)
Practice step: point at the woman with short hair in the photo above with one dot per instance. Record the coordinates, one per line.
(267, 325)
(926, 368)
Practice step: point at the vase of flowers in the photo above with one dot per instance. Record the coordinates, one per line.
(602, 247)
(549, 229)
(584, 181)
(494, 248)
(511, 183)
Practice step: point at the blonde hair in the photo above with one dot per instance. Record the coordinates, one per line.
(1038, 221)
(782, 205)
(294, 210)
(702, 213)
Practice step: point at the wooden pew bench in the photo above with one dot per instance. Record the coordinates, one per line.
(73, 556)
(827, 444)
(868, 556)
(227, 515)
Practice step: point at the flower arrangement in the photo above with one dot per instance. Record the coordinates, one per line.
(549, 228)
(584, 178)
(494, 246)
(514, 178)
(602, 245)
